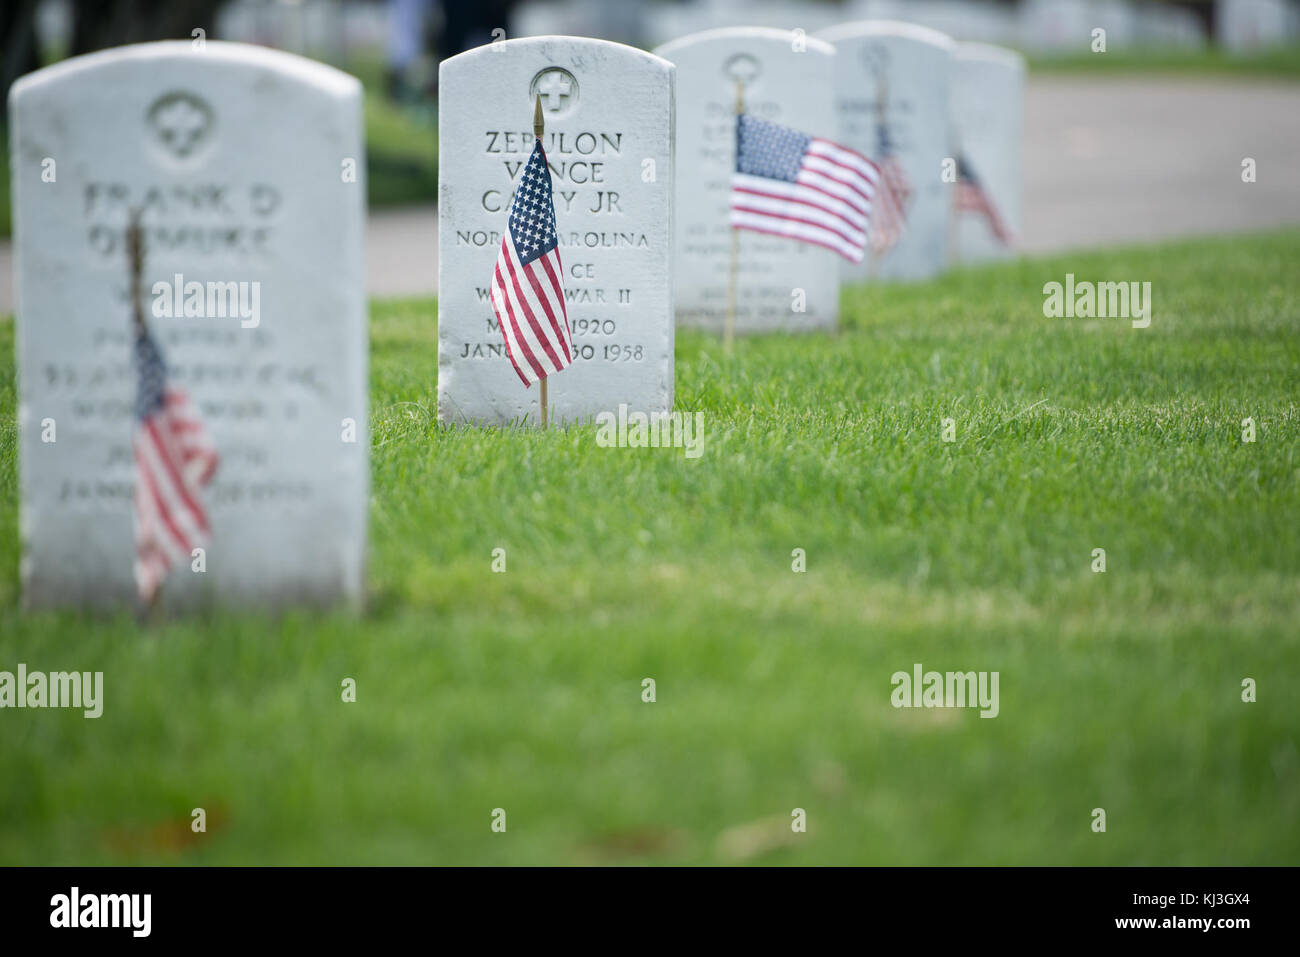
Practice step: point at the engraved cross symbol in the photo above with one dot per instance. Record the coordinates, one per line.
(180, 123)
(554, 88)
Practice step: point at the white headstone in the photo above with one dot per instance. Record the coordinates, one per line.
(609, 142)
(988, 115)
(248, 166)
(1064, 25)
(915, 65)
(781, 284)
(1244, 25)
(1118, 18)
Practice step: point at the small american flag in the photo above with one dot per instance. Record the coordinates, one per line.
(526, 293)
(895, 195)
(973, 198)
(174, 459)
(787, 183)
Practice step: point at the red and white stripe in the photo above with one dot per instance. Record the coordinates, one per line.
(529, 305)
(891, 206)
(972, 198)
(175, 459)
(829, 203)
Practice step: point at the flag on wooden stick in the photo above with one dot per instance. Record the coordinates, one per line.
(894, 195)
(527, 294)
(788, 183)
(174, 459)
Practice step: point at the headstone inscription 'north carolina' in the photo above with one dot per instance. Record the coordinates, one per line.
(609, 142)
(247, 168)
(789, 79)
(988, 117)
(892, 88)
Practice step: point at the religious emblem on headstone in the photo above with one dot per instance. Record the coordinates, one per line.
(180, 122)
(558, 90)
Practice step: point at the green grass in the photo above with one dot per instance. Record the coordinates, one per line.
(522, 690)
(1277, 63)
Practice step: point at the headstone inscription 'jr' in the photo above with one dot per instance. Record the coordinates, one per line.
(892, 91)
(246, 167)
(782, 284)
(988, 118)
(608, 139)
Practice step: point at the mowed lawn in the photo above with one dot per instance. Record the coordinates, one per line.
(523, 690)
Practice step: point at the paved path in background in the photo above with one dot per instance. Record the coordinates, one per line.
(1121, 160)
(1107, 159)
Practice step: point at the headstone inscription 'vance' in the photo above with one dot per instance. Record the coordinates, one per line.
(788, 79)
(892, 87)
(608, 110)
(988, 116)
(247, 168)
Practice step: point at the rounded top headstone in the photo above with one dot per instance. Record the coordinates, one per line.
(886, 28)
(969, 50)
(667, 50)
(213, 52)
(557, 84)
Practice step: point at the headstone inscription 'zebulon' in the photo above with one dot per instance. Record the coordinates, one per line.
(892, 91)
(247, 169)
(988, 117)
(608, 111)
(782, 284)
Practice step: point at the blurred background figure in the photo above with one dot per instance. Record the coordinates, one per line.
(423, 32)
(408, 26)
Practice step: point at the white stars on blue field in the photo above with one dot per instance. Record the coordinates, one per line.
(532, 213)
(767, 149)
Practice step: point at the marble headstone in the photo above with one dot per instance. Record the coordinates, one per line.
(1244, 25)
(898, 75)
(609, 142)
(781, 284)
(988, 116)
(248, 168)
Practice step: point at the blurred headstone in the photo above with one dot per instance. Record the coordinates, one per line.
(1057, 25)
(892, 88)
(1245, 25)
(247, 167)
(781, 283)
(988, 113)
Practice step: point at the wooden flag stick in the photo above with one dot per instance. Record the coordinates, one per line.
(135, 267)
(733, 265)
(539, 127)
(882, 96)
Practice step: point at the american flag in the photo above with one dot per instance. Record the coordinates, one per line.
(788, 183)
(895, 194)
(526, 293)
(973, 198)
(174, 460)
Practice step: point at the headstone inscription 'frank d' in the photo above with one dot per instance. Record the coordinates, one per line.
(246, 167)
(988, 110)
(608, 138)
(892, 92)
(782, 284)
